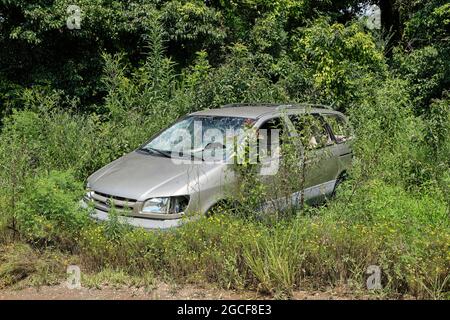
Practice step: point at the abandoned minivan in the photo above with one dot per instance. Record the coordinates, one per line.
(185, 170)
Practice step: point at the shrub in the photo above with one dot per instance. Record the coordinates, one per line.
(49, 138)
(427, 71)
(49, 208)
(337, 57)
(207, 250)
(237, 80)
(385, 130)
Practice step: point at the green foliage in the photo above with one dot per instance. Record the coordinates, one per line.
(48, 53)
(406, 235)
(338, 57)
(237, 80)
(251, 191)
(49, 209)
(424, 61)
(275, 258)
(268, 35)
(429, 24)
(428, 72)
(438, 129)
(377, 202)
(22, 266)
(47, 139)
(431, 165)
(385, 129)
(240, 15)
(399, 230)
(192, 26)
(9, 93)
(117, 279)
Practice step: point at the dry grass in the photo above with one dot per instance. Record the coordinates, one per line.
(21, 266)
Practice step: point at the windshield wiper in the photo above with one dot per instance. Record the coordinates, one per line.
(164, 153)
(149, 149)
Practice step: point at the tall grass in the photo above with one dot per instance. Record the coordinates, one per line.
(331, 247)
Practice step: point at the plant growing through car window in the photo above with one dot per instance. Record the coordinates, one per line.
(274, 197)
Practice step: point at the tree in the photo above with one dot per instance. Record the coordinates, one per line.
(390, 20)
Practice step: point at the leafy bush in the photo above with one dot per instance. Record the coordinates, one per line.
(49, 208)
(385, 129)
(192, 26)
(237, 80)
(428, 72)
(337, 58)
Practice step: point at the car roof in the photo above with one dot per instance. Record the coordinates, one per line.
(258, 110)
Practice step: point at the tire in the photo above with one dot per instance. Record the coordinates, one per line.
(218, 208)
(342, 177)
(213, 210)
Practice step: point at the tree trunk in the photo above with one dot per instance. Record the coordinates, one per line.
(390, 21)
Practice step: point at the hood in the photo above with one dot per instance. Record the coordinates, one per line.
(140, 176)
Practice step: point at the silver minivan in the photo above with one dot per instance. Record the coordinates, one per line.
(157, 187)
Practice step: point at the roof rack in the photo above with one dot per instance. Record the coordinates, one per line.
(312, 105)
(279, 106)
(256, 104)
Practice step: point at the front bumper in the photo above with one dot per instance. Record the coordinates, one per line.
(148, 224)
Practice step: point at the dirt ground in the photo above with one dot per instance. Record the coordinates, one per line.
(161, 291)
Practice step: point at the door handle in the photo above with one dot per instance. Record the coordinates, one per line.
(346, 154)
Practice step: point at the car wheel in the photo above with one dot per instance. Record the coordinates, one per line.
(337, 185)
(220, 207)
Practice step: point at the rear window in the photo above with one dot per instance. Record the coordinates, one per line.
(312, 130)
(339, 127)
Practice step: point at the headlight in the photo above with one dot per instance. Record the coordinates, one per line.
(156, 205)
(166, 205)
(88, 191)
(88, 194)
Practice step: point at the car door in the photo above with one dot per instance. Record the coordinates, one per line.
(279, 188)
(321, 154)
(270, 139)
(343, 136)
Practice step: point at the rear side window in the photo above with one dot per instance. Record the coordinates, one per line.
(312, 130)
(272, 141)
(339, 127)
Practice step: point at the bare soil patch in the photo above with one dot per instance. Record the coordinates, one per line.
(162, 291)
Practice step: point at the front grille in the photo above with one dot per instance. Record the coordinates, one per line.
(106, 202)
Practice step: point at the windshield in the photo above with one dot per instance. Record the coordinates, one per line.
(194, 135)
